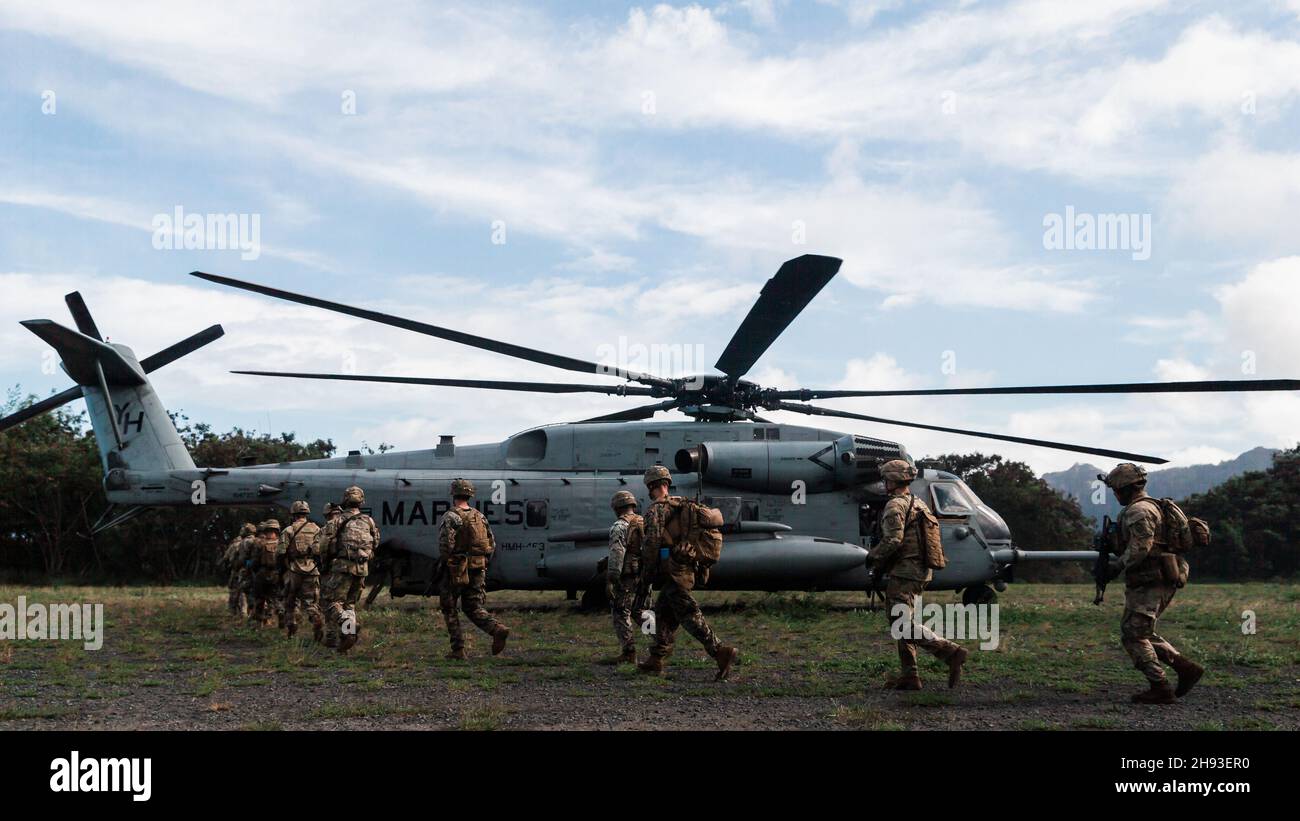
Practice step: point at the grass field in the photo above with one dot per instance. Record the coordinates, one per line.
(173, 659)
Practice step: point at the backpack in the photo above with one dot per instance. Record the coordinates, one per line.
(1181, 533)
(928, 537)
(696, 533)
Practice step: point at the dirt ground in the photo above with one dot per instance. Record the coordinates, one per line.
(173, 659)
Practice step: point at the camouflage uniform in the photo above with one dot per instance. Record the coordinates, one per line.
(1152, 575)
(246, 559)
(236, 601)
(1146, 592)
(675, 606)
(465, 543)
(622, 569)
(302, 575)
(900, 553)
(350, 540)
(266, 578)
(323, 547)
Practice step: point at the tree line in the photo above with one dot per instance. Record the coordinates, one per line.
(51, 498)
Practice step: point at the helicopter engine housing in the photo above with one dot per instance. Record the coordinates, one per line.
(774, 467)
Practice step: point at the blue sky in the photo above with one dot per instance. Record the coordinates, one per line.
(652, 166)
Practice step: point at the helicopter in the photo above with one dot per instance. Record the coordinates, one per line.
(798, 502)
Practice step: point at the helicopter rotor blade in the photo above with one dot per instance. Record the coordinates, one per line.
(518, 351)
(783, 297)
(183, 348)
(1206, 386)
(37, 408)
(489, 384)
(81, 315)
(633, 414)
(813, 410)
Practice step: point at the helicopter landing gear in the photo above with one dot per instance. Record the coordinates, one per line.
(979, 594)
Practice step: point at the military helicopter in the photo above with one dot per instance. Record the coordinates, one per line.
(797, 501)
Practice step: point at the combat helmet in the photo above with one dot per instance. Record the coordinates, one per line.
(354, 497)
(898, 470)
(461, 487)
(300, 507)
(657, 473)
(331, 508)
(269, 524)
(623, 498)
(248, 529)
(1123, 475)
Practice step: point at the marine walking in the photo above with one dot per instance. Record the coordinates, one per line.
(906, 550)
(465, 544)
(1153, 535)
(670, 563)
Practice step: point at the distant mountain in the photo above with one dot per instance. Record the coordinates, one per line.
(1176, 483)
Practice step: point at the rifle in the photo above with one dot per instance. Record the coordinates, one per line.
(1106, 543)
(876, 588)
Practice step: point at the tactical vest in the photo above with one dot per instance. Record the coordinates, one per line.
(473, 537)
(921, 547)
(635, 536)
(264, 553)
(299, 538)
(354, 544)
(1162, 565)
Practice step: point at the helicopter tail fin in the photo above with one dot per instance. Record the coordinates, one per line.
(132, 428)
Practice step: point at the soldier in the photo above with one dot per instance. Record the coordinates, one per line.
(302, 575)
(622, 569)
(236, 601)
(266, 580)
(900, 553)
(675, 605)
(323, 547)
(465, 543)
(1147, 589)
(350, 541)
(246, 559)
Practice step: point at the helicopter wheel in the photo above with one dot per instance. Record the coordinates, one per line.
(983, 594)
(593, 599)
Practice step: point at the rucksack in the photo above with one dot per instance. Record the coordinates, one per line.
(928, 537)
(1181, 533)
(695, 528)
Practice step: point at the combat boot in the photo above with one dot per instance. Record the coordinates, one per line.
(348, 641)
(905, 681)
(292, 629)
(628, 657)
(1160, 693)
(725, 657)
(317, 632)
(499, 639)
(653, 665)
(457, 654)
(1189, 672)
(955, 662)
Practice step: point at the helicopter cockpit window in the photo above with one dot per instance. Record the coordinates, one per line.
(949, 500)
(535, 514)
